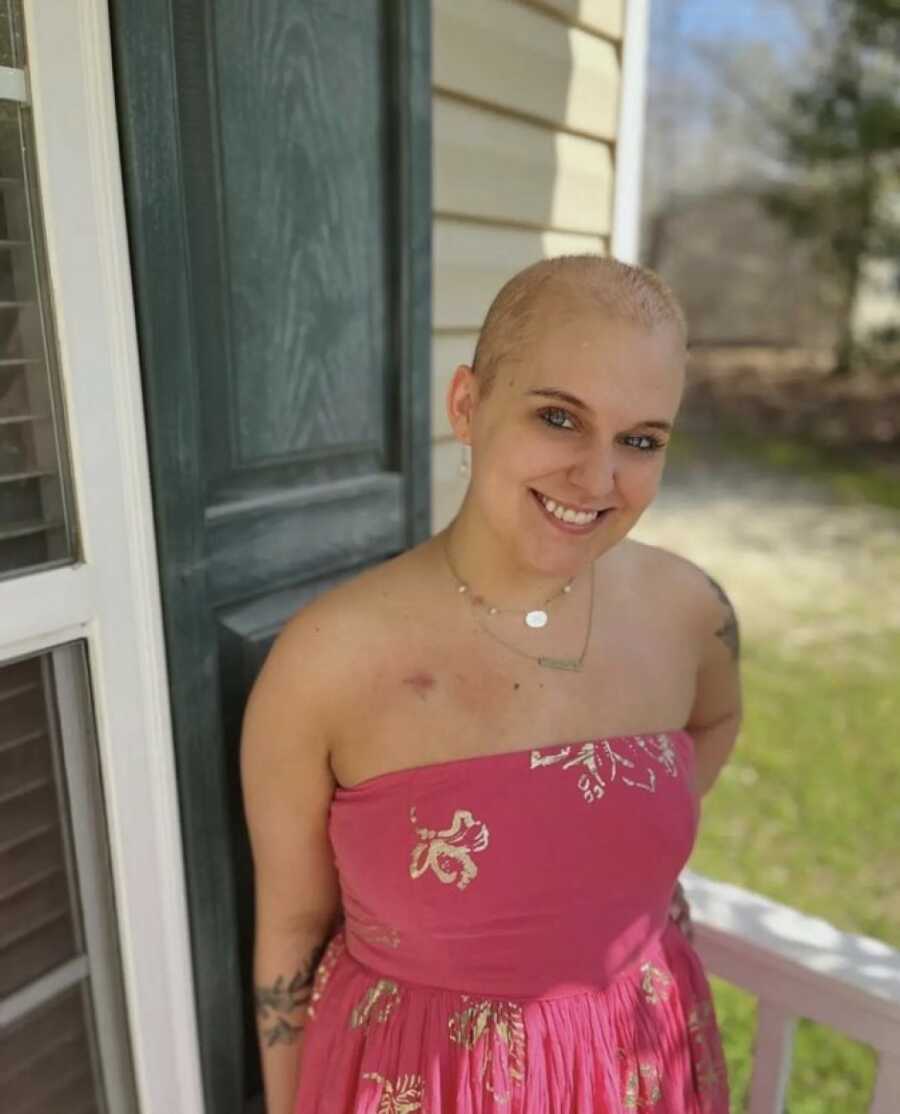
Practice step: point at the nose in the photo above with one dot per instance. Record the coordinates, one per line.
(595, 469)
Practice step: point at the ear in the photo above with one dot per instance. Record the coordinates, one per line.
(462, 402)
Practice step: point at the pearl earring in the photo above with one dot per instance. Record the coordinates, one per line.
(463, 463)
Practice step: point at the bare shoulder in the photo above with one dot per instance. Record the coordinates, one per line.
(678, 582)
(320, 657)
(370, 596)
(333, 635)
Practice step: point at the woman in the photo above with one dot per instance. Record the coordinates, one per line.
(487, 755)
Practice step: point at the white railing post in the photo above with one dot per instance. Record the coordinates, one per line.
(886, 1097)
(772, 1055)
(799, 966)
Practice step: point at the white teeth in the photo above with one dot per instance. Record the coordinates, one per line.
(566, 514)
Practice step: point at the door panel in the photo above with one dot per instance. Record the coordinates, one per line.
(277, 168)
(262, 542)
(303, 123)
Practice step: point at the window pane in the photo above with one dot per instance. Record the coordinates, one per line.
(63, 1032)
(38, 926)
(36, 528)
(48, 1059)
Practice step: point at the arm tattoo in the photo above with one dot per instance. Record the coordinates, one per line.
(728, 632)
(277, 1005)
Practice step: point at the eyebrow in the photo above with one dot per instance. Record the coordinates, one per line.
(573, 400)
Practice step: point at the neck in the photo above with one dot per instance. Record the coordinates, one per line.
(484, 562)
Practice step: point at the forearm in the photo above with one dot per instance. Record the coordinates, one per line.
(285, 963)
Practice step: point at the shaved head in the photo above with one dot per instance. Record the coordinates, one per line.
(566, 287)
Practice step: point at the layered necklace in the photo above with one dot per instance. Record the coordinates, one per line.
(534, 618)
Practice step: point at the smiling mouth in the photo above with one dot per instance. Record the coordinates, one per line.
(567, 516)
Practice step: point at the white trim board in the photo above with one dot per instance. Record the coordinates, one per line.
(43, 609)
(13, 85)
(116, 606)
(626, 224)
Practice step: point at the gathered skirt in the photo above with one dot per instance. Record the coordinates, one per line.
(649, 1041)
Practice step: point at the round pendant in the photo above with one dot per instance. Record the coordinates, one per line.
(536, 618)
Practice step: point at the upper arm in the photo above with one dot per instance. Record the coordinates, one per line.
(717, 694)
(286, 778)
(718, 662)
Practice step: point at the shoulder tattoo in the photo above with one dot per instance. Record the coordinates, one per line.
(728, 631)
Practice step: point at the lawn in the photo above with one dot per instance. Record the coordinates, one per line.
(808, 809)
(806, 540)
(851, 477)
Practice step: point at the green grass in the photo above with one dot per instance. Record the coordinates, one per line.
(806, 812)
(852, 477)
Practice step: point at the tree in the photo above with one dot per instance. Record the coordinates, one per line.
(841, 137)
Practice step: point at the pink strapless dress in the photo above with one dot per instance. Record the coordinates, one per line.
(506, 943)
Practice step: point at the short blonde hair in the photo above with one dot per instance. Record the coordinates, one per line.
(576, 282)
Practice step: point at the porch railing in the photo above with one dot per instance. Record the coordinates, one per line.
(799, 966)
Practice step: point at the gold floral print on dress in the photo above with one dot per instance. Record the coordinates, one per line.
(333, 953)
(642, 1085)
(631, 761)
(706, 1071)
(378, 933)
(376, 1004)
(660, 749)
(449, 852)
(655, 983)
(494, 1022)
(404, 1096)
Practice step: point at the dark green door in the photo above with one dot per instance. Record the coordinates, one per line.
(276, 157)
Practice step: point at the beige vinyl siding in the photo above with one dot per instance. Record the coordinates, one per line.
(599, 16)
(489, 167)
(515, 57)
(525, 102)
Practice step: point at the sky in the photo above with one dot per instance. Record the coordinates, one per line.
(699, 124)
(730, 18)
(730, 22)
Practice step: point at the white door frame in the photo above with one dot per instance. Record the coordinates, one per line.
(111, 599)
(626, 224)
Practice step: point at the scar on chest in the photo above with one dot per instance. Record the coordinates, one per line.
(421, 683)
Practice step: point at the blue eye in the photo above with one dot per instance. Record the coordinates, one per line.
(546, 414)
(646, 443)
(651, 444)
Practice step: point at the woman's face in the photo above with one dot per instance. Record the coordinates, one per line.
(597, 444)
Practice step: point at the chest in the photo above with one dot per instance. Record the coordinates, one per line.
(425, 699)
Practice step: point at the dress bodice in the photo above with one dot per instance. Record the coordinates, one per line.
(541, 872)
